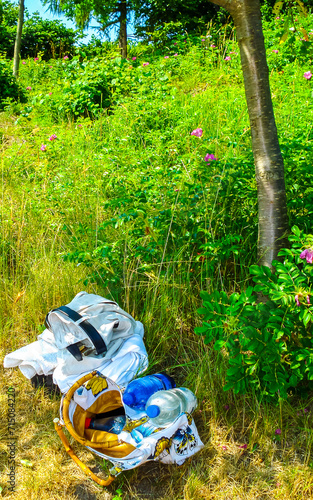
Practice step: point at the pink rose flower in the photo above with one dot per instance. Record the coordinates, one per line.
(308, 75)
(197, 132)
(28, 88)
(145, 64)
(275, 51)
(43, 147)
(166, 57)
(209, 157)
(65, 57)
(23, 62)
(134, 58)
(227, 58)
(307, 254)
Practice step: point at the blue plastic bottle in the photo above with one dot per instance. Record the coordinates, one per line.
(139, 391)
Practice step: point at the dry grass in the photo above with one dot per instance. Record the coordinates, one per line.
(35, 279)
(276, 469)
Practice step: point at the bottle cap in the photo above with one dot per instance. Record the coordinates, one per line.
(128, 398)
(153, 411)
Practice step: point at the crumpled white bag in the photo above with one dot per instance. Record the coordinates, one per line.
(126, 354)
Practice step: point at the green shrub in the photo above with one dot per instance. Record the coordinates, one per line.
(76, 88)
(9, 87)
(269, 346)
(51, 37)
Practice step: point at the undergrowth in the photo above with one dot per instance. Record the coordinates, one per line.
(105, 189)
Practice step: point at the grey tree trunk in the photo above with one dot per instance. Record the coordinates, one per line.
(123, 28)
(269, 166)
(17, 46)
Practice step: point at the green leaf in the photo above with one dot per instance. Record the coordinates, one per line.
(201, 330)
(234, 370)
(266, 270)
(294, 365)
(205, 296)
(256, 270)
(293, 380)
(249, 291)
(302, 355)
(219, 344)
(228, 386)
(202, 311)
(306, 318)
(296, 231)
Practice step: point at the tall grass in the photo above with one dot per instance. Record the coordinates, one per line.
(121, 206)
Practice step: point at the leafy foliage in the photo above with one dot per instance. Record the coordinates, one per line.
(193, 17)
(51, 38)
(10, 89)
(269, 346)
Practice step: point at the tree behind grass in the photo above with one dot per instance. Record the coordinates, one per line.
(269, 166)
(17, 46)
(107, 13)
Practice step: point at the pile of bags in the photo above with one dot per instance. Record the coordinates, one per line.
(92, 350)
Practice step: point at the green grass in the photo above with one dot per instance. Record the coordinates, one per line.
(121, 207)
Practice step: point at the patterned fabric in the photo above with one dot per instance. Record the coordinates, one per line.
(172, 444)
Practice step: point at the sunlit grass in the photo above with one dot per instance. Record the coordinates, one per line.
(55, 203)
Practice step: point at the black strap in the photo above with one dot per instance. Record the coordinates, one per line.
(75, 351)
(92, 333)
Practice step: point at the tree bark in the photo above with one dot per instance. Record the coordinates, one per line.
(17, 46)
(123, 29)
(269, 166)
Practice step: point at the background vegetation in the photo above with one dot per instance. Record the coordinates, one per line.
(105, 189)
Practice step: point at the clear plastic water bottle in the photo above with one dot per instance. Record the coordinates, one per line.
(165, 406)
(139, 391)
(114, 425)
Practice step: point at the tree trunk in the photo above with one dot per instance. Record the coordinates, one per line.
(269, 166)
(17, 46)
(123, 29)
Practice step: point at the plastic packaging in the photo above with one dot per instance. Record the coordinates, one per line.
(114, 425)
(139, 391)
(165, 406)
